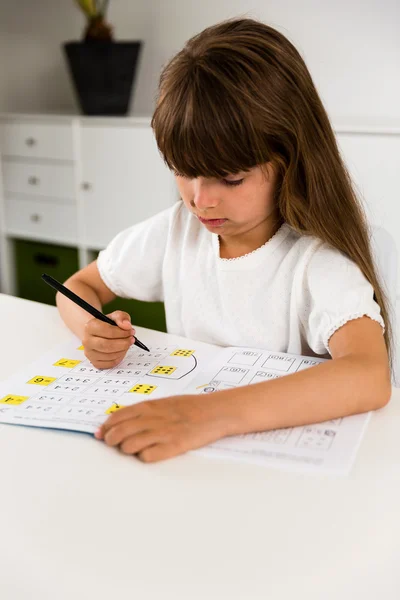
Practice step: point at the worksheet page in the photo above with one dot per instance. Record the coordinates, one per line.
(330, 446)
(63, 390)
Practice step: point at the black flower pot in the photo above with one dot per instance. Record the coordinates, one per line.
(103, 74)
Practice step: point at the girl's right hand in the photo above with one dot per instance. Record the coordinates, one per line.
(105, 345)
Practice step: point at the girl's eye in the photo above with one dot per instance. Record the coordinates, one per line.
(228, 182)
(232, 183)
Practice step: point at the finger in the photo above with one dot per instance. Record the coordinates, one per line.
(101, 356)
(119, 433)
(137, 443)
(99, 344)
(128, 412)
(121, 318)
(124, 414)
(161, 451)
(95, 327)
(105, 364)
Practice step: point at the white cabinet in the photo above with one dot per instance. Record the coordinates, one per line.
(123, 180)
(76, 181)
(37, 185)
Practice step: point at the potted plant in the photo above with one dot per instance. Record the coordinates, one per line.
(103, 70)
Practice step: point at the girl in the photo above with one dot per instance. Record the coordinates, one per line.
(269, 248)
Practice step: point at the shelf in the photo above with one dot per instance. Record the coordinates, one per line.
(130, 120)
(340, 124)
(366, 125)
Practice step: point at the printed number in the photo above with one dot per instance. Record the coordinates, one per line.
(42, 380)
(128, 372)
(66, 362)
(16, 400)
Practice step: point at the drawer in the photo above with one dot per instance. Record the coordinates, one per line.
(32, 258)
(31, 139)
(40, 219)
(38, 179)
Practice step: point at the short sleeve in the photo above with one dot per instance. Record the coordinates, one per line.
(131, 265)
(335, 291)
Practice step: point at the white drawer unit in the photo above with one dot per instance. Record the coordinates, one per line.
(52, 180)
(34, 139)
(41, 220)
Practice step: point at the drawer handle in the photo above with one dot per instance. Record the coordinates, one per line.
(33, 180)
(30, 141)
(86, 186)
(46, 260)
(35, 218)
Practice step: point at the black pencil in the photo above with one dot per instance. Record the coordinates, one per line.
(85, 305)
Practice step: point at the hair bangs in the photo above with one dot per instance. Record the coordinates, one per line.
(202, 129)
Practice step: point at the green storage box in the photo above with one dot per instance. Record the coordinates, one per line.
(144, 314)
(34, 258)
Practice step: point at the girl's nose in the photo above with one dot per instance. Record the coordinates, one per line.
(204, 196)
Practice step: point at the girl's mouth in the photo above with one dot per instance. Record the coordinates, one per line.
(212, 222)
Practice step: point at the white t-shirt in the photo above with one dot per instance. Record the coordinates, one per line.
(289, 295)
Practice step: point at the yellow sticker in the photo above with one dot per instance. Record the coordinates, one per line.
(42, 380)
(67, 362)
(163, 370)
(113, 408)
(182, 352)
(80, 348)
(13, 399)
(143, 388)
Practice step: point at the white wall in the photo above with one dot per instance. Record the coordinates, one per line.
(34, 76)
(352, 47)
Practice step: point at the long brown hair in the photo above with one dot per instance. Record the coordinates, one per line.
(240, 95)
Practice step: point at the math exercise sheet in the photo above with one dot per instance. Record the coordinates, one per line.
(63, 390)
(328, 447)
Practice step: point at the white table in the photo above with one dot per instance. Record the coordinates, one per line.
(80, 520)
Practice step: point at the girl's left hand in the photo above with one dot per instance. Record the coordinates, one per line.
(158, 429)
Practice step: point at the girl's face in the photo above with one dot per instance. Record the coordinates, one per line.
(239, 207)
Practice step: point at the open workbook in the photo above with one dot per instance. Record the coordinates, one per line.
(63, 390)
